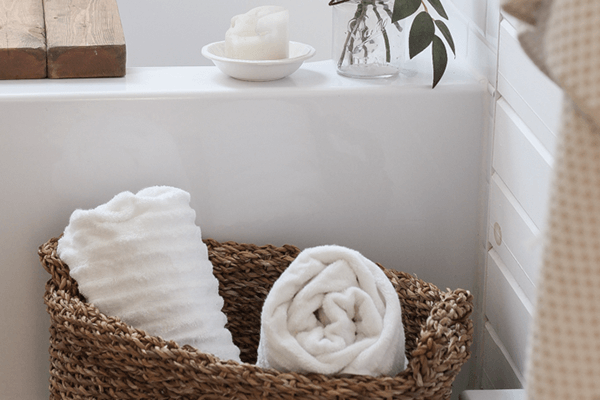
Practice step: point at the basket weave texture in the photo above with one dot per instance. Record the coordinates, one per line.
(95, 356)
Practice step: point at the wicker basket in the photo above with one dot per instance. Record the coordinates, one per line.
(94, 356)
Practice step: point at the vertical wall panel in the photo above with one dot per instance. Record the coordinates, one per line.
(535, 98)
(492, 24)
(508, 310)
(522, 162)
(513, 236)
(498, 367)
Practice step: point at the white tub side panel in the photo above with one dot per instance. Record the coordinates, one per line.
(375, 170)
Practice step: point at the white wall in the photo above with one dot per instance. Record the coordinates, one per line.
(172, 32)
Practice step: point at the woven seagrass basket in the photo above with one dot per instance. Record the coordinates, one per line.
(95, 356)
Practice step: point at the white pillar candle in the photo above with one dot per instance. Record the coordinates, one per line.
(260, 34)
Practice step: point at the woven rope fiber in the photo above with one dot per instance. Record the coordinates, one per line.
(94, 356)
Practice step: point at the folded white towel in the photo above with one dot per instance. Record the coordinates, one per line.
(332, 311)
(141, 258)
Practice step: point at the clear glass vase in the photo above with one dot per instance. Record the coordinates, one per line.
(365, 42)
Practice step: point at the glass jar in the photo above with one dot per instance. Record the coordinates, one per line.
(365, 42)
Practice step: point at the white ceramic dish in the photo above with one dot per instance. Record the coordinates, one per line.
(258, 70)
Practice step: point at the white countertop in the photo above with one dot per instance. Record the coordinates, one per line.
(180, 82)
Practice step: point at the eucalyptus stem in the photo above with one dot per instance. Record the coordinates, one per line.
(389, 13)
(386, 40)
(353, 25)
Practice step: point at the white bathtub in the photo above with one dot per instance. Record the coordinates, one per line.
(390, 168)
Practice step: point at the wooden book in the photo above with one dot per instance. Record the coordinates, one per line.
(84, 38)
(22, 39)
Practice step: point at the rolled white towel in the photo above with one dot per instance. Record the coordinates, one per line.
(141, 258)
(332, 311)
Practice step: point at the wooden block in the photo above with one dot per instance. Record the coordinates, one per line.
(85, 39)
(22, 39)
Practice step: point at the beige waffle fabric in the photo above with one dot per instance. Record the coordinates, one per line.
(563, 39)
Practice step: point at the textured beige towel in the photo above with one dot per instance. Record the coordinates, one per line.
(564, 359)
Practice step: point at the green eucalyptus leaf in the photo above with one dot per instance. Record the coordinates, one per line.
(446, 32)
(421, 33)
(440, 59)
(404, 8)
(437, 4)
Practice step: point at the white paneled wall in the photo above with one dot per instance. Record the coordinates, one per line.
(531, 93)
(524, 115)
(527, 118)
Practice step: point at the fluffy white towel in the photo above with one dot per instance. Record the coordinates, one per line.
(141, 257)
(332, 311)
